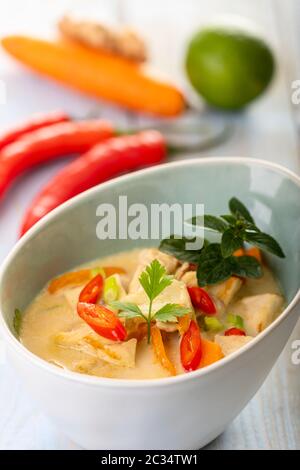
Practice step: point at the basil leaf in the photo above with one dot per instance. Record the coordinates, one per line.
(231, 241)
(237, 208)
(250, 227)
(230, 219)
(264, 242)
(17, 322)
(176, 247)
(214, 223)
(213, 268)
(246, 266)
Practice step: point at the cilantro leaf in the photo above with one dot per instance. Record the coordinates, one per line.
(128, 310)
(154, 279)
(169, 312)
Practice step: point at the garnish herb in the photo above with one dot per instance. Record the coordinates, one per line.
(214, 268)
(154, 280)
(17, 321)
(176, 247)
(216, 261)
(239, 227)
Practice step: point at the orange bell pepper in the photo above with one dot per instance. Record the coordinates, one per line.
(255, 252)
(211, 352)
(160, 351)
(183, 324)
(77, 278)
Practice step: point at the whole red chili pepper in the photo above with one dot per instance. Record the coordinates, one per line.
(102, 162)
(37, 121)
(50, 142)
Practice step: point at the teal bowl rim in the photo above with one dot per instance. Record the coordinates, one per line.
(142, 383)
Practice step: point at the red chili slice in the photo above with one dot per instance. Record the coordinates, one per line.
(103, 321)
(201, 300)
(235, 332)
(92, 291)
(190, 348)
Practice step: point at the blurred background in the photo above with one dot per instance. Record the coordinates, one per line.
(266, 127)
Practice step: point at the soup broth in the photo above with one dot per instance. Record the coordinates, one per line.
(53, 330)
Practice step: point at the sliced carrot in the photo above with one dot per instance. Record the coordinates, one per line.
(183, 324)
(255, 252)
(97, 73)
(211, 352)
(75, 278)
(239, 252)
(160, 351)
(110, 270)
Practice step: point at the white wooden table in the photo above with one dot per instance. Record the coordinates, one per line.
(267, 130)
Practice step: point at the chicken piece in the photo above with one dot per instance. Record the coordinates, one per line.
(190, 278)
(84, 366)
(182, 270)
(225, 291)
(176, 293)
(85, 340)
(168, 327)
(229, 344)
(145, 258)
(258, 311)
(75, 335)
(72, 297)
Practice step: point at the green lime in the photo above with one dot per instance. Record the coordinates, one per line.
(229, 68)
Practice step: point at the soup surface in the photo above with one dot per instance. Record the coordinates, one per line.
(52, 329)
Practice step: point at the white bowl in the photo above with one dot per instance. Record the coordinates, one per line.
(183, 412)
